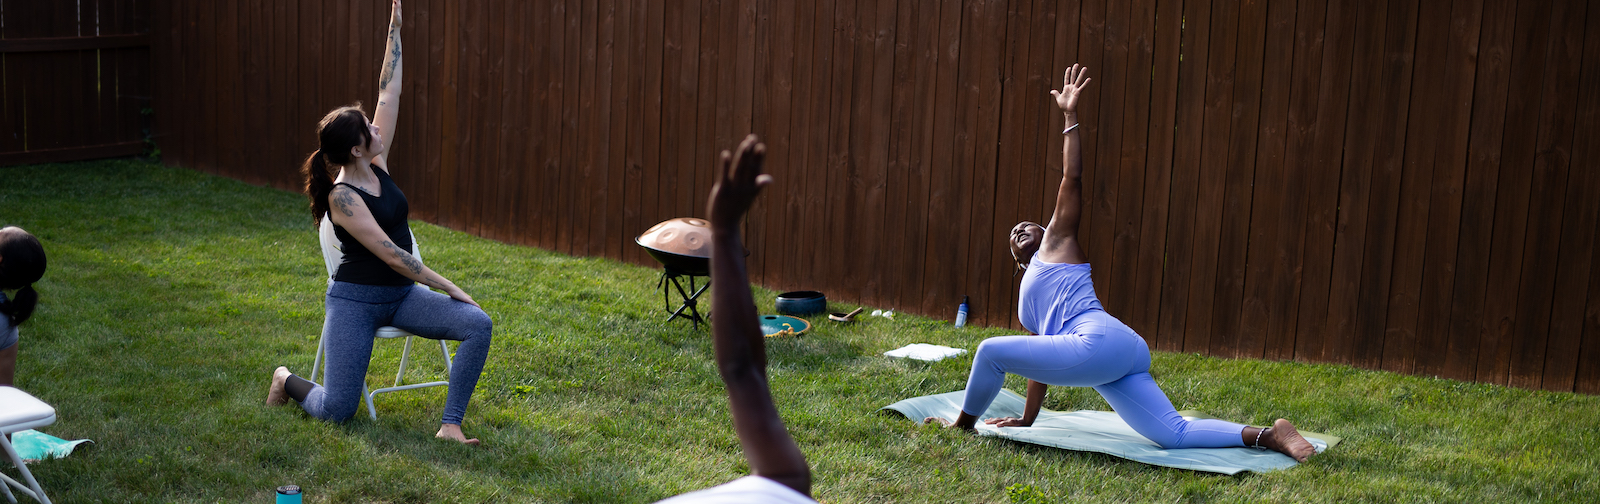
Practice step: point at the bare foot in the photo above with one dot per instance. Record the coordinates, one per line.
(1284, 438)
(943, 422)
(276, 394)
(452, 432)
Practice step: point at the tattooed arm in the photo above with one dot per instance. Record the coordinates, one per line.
(347, 210)
(388, 111)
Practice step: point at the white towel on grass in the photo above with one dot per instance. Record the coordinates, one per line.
(924, 352)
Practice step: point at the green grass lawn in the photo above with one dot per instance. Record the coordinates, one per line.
(171, 295)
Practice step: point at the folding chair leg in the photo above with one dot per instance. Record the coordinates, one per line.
(405, 358)
(316, 363)
(367, 395)
(6, 487)
(449, 365)
(32, 489)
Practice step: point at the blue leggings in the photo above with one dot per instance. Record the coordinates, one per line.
(355, 312)
(1111, 358)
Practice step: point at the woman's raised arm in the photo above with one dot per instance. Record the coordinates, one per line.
(1060, 242)
(388, 111)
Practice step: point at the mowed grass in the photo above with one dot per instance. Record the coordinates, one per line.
(172, 294)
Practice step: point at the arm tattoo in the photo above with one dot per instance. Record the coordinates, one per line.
(410, 261)
(393, 59)
(345, 200)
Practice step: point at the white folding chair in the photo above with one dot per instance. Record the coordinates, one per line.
(20, 411)
(331, 257)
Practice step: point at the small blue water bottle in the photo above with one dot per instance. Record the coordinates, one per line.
(288, 494)
(961, 313)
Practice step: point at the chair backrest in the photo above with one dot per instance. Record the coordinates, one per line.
(332, 255)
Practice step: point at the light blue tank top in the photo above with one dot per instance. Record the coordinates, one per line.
(1052, 294)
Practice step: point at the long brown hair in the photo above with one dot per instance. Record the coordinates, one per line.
(341, 129)
(22, 265)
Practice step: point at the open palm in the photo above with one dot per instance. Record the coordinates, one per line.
(1077, 78)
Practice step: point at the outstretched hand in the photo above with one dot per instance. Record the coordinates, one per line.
(1067, 97)
(739, 180)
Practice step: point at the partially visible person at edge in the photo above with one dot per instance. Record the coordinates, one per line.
(22, 263)
(375, 285)
(778, 470)
(1078, 344)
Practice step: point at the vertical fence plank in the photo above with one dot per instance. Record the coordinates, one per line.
(1213, 152)
(1508, 248)
(1355, 184)
(942, 240)
(1561, 356)
(1477, 218)
(982, 238)
(876, 175)
(1384, 184)
(1547, 194)
(1284, 297)
(992, 298)
(1131, 159)
(1326, 156)
(1422, 137)
(1266, 249)
(1177, 270)
(1445, 214)
(1164, 48)
(1238, 192)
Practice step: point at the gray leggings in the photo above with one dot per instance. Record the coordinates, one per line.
(355, 312)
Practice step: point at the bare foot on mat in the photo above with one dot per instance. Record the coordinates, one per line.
(452, 432)
(276, 394)
(1284, 438)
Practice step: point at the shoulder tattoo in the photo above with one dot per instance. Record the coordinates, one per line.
(343, 199)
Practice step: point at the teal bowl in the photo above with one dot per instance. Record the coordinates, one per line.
(801, 303)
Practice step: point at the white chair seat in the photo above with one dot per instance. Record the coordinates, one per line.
(20, 411)
(389, 332)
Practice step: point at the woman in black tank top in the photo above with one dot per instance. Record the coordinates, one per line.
(378, 270)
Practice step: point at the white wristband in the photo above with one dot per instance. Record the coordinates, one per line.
(1070, 128)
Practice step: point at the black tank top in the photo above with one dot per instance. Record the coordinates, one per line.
(361, 266)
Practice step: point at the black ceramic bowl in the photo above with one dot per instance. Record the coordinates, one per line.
(801, 303)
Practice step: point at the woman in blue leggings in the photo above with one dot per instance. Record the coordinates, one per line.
(1078, 343)
(375, 284)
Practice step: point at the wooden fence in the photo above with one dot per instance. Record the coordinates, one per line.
(1400, 185)
(74, 79)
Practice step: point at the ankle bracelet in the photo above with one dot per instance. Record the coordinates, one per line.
(1257, 445)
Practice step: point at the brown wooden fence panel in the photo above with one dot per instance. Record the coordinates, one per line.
(1407, 186)
(76, 80)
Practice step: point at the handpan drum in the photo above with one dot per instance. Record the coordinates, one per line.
(682, 244)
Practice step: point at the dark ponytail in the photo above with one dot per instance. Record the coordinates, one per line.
(341, 129)
(22, 263)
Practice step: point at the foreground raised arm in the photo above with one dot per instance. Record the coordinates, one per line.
(740, 346)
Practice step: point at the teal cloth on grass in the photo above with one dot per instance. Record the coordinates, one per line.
(1103, 432)
(34, 446)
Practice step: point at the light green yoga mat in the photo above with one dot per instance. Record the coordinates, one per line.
(1103, 432)
(34, 446)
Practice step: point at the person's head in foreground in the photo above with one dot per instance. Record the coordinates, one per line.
(22, 263)
(779, 473)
